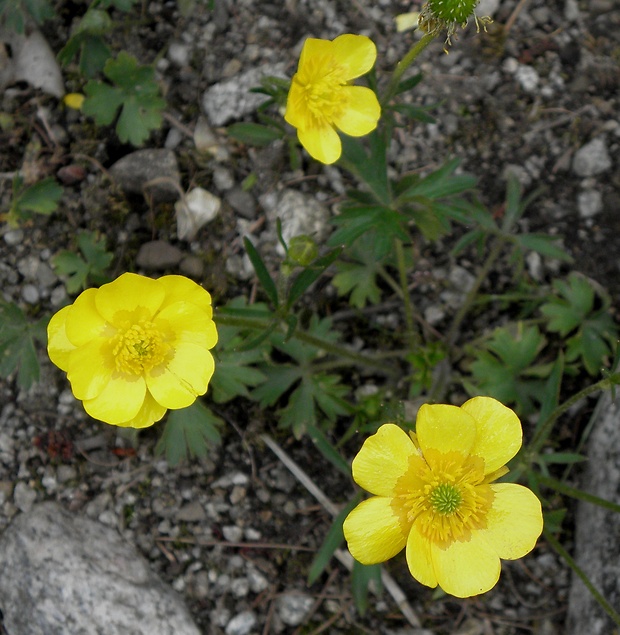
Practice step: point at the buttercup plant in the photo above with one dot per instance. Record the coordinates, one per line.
(137, 347)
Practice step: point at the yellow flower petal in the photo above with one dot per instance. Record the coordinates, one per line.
(374, 532)
(445, 429)
(383, 459)
(83, 321)
(89, 379)
(406, 21)
(58, 345)
(73, 100)
(466, 568)
(419, 558)
(357, 53)
(514, 521)
(120, 400)
(180, 288)
(322, 143)
(499, 433)
(297, 113)
(117, 300)
(313, 49)
(183, 378)
(188, 323)
(362, 114)
(150, 412)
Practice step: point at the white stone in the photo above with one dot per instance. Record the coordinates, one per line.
(592, 158)
(195, 210)
(241, 624)
(70, 574)
(589, 203)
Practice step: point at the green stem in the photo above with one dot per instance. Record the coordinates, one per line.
(412, 333)
(330, 347)
(544, 430)
(605, 605)
(470, 298)
(576, 493)
(403, 65)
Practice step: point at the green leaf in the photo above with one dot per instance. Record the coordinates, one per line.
(189, 432)
(505, 369)
(321, 441)
(235, 366)
(135, 92)
(369, 167)
(409, 83)
(363, 575)
(310, 274)
(77, 270)
(42, 197)
(253, 133)
(544, 245)
(332, 542)
(419, 113)
(17, 344)
(263, 275)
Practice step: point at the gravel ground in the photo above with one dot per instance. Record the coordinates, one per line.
(235, 533)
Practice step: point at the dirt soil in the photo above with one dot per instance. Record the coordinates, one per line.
(237, 532)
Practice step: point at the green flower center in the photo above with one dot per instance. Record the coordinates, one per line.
(138, 348)
(445, 498)
(444, 495)
(452, 10)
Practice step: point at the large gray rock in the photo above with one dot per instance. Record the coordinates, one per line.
(62, 574)
(597, 540)
(152, 172)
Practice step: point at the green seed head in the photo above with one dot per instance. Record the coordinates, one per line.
(452, 10)
(445, 498)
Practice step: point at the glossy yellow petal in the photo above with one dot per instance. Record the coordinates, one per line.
(58, 345)
(374, 532)
(90, 369)
(419, 558)
(362, 113)
(126, 295)
(180, 288)
(466, 568)
(322, 143)
(499, 433)
(150, 412)
(84, 322)
(445, 429)
(297, 113)
(120, 400)
(356, 53)
(183, 378)
(514, 521)
(187, 323)
(383, 459)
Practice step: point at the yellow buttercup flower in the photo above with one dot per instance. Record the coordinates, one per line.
(434, 494)
(322, 99)
(136, 347)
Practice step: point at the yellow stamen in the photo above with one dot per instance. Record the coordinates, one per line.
(139, 348)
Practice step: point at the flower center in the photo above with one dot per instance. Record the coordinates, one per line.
(138, 348)
(445, 498)
(322, 80)
(445, 495)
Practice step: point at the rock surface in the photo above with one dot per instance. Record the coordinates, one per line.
(597, 546)
(63, 574)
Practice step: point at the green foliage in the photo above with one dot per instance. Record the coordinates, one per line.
(310, 389)
(575, 311)
(254, 133)
(40, 198)
(189, 433)
(361, 580)
(506, 367)
(17, 344)
(87, 41)
(78, 271)
(15, 13)
(133, 91)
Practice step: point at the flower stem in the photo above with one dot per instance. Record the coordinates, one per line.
(403, 65)
(561, 487)
(412, 333)
(494, 254)
(354, 357)
(544, 430)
